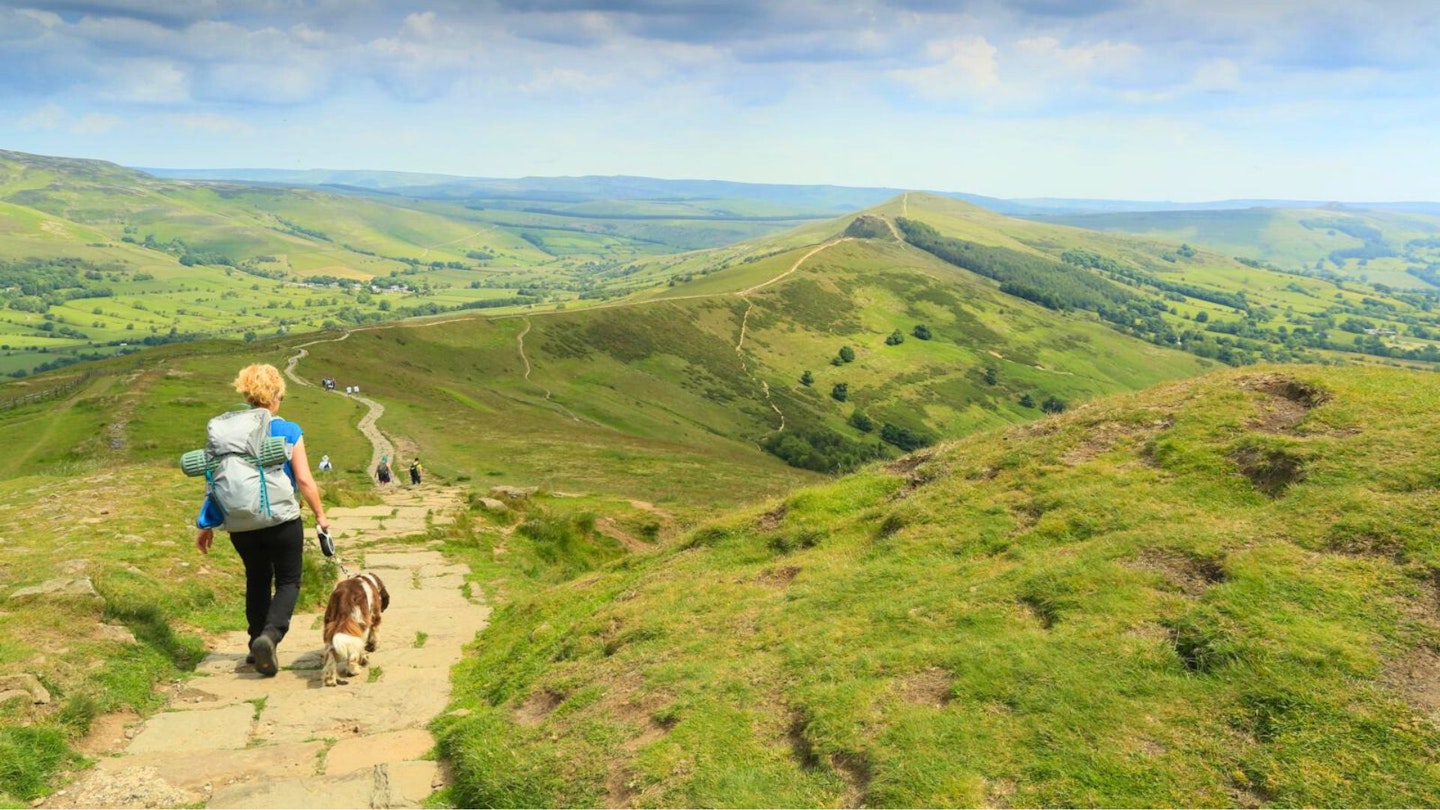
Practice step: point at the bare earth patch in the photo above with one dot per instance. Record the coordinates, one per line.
(1416, 677)
(1287, 403)
(779, 577)
(928, 687)
(538, 707)
(1189, 575)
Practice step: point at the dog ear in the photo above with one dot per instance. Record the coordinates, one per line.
(384, 598)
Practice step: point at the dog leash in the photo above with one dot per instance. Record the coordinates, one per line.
(327, 547)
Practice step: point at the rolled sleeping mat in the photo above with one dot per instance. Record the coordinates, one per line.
(194, 462)
(272, 451)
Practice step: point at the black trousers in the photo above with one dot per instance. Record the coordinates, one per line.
(272, 576)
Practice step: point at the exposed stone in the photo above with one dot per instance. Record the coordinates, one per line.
(27, 684)
(509, 493)
(65, 588)
(492, 504)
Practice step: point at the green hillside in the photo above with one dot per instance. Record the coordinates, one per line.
(1219, 592)
(97, 259)
(1387, 247)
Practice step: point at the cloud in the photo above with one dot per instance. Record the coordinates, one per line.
(211, 123)
(95, 124)
(565, 80)
(963, 68)
(1098, 59)
(50, 116)
(261, 83)
(146, 81)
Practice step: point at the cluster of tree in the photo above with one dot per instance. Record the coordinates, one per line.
(35, 285)
(821, 449)
(1080, 257)
(1374, 245)
(296, 229)
(845, 355)
(1051, 284)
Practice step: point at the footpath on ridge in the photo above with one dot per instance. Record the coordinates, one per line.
(229, 737)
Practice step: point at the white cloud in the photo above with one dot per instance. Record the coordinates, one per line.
(1081, 61)
(1217, 76)
(147, 81)
(95, 124)
(565, 80)
(212, 123)
(964, 68)
(50, 116)
(267, 83)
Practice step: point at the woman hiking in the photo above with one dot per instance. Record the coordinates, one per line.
(272, 554)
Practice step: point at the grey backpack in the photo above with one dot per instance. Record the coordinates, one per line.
(246, 476)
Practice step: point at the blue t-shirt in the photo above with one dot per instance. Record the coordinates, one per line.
(291, 433)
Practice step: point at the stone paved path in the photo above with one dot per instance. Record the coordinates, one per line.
(230, 738)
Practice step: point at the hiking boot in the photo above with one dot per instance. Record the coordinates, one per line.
(250, 659)
(263, 650)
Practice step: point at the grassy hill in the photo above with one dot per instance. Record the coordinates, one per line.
(1219, 592)
(1393, 248)
(834, 644)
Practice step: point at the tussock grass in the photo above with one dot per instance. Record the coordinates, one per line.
(1103, 608)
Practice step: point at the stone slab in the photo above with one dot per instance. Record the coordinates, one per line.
(366, 752)
(225, 728)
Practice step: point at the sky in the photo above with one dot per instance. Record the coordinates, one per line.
(1182, 100)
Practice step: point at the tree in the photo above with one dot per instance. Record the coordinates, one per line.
(847, 354)
(895, 339)
(1053, 405)
(992, 375)
(1202, 316)
(861, 421)
(1027, 401)
(840, 392)
(807, 379)
(250, 336)
(921, 331)
(1186, 251)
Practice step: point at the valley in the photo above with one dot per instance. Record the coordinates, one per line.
(914, 504)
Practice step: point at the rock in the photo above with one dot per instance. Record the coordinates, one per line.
(509, 493)
(78, 588)
(24, 683)
(492, 504)
(115, 632)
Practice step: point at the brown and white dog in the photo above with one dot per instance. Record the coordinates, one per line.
(352, 625)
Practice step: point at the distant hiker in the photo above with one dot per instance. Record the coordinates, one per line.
(382, 472)
(325, 463)
(271, 553)
(415, 470)
(357, 389)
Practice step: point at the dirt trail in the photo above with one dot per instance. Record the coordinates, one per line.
(745, 323)
(231, 738)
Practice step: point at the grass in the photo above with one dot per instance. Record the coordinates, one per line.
(1100, 609)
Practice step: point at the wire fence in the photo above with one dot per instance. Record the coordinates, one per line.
(51, 393)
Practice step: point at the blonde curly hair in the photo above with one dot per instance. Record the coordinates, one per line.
(261, 385)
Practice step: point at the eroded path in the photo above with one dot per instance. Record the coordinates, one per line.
(745, 324)
(231, 738)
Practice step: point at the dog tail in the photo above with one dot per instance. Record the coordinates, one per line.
(328, 672)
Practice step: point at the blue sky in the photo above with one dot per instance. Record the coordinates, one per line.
(1141, 99)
